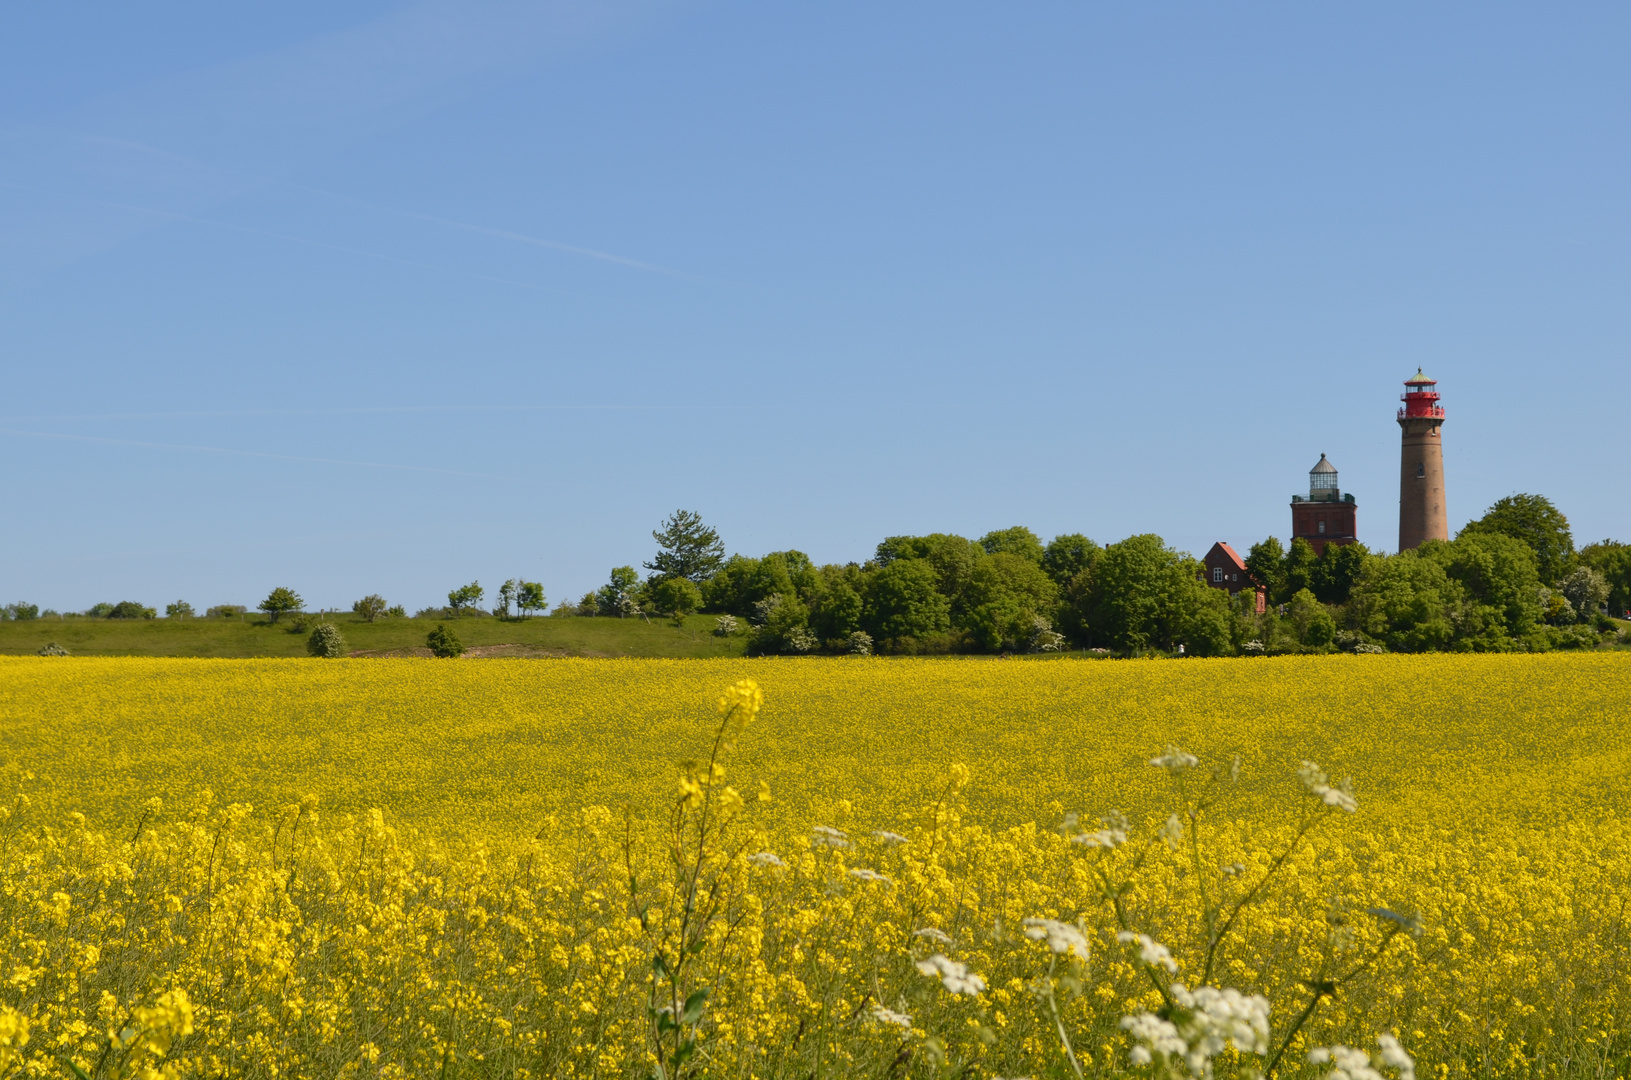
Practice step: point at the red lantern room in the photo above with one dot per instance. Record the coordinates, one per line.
(1420, 398)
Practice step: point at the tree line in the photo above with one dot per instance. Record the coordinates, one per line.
(1510, 581)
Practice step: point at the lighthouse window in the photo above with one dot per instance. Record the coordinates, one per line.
(1421, 470)
(1217, 573)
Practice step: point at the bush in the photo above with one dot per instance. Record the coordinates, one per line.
(300, 623)
(225, 611)
(859, 643)
(98, 611)
(22, 612)
(396, 611)
(52, 649)
(129, 609)
(444, 643)
(326, 641)
(178, 610)
(464, 599)
(371, 607)
(725, 626)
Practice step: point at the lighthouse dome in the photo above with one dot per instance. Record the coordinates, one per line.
(1322, 480)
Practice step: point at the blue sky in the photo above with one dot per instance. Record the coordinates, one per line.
(373, 297)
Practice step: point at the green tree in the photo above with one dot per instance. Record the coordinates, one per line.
(178, 610)
(505, 597)
(836, 613)
(1015, 541)
(1612, 560)
(1266, 562)
(130, 609)
(281, 601)
(465, 598)
(1311, 619)
(1405, 600)
(686, 548)
(1068, 555)
(675, 596)
(444, 643)
(620, 596)
(742, 582)
(1208, 622)
(1499, 589)
(1534, 520)
(326, 641)
(370, 608)
(951, 557)
(1142, 593)
(1302, 567)
(1005, 596)
(903, 601)
(529, 597)
(1336, 572)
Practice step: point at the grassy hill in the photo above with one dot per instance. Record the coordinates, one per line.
(254, 635)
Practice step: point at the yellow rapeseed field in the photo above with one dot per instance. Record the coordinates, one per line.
(841, 867)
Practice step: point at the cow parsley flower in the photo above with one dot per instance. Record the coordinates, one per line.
(826, 836)
(933, 935)
(1175, 760)
(765, 858)
(1103, 838)
(884, 836)
(1173, 832)
(864, 874)
(890, 1016)
(1340, 796)
(1151, 952)
(952, 975)
(1348, 1063)
(1152, 1035)
(1210, 1021)
(1061, 937)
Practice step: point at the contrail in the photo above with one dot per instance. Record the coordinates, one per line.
(245, 453)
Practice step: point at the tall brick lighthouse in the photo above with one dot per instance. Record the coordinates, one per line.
(1422, 513)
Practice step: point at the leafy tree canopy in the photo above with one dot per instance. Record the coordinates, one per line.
(1068, 555)
(1534, 520)
(1612, 560)
(1015, 541)
(903, 601)
(686, 548)
(281, 600)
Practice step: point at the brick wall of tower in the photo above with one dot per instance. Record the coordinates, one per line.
(1423, 513)
(1324, 523)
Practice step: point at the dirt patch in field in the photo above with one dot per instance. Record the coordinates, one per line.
(480, 652)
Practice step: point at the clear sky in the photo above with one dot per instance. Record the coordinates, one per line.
(376, 297)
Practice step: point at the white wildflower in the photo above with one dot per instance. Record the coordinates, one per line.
(1152, 1035)
(1340, 796)
(1151, 952)
(890, 1016)
(1234, 869)
(952, 975)
(1395, 1057)
(933, 935)
(1219, 1018)
(1061, 937)
(884, 836)
(826, 836)
(1173, 832)
(869, 875)
(1104, 838)
(765, 858)
(1211, 1021)
(1175, 760)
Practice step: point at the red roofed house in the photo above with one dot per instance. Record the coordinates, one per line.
(1226, 570)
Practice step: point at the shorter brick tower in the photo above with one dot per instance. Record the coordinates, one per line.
(1422, 512)
(1326, 516)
